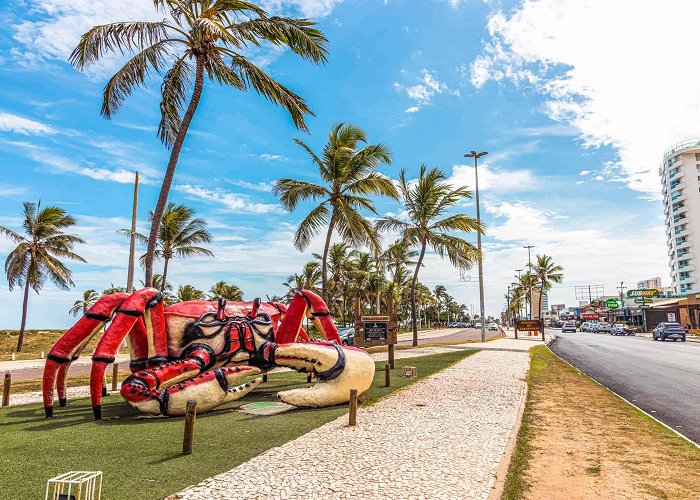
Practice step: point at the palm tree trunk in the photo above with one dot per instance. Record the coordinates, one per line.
(413, 294)
(20, 339)
(541, 293)
(324, 264)
(170, 170)
(165, 275)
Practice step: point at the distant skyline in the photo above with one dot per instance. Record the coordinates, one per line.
(574, 101)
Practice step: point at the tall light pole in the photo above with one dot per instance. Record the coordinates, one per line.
(529, 270)
(132, 235)
(476, 156)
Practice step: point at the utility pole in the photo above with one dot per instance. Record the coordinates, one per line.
(476, 156)
(622, 289)
(132, 243)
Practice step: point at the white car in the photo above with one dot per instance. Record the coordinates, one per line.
(493, 326)
(602, 327)
(569, 326)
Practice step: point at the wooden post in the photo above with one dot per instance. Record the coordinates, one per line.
(132, 242)
(115, 376)
(264, 377)
(190, 418)
(387, 375)
(393, 327)
(104, 384)
(308, 377)
(390, 348)
(515, 325)
(352, 420)
(6, 389)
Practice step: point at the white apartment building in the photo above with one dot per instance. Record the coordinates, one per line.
(680, 177)
(650, 283)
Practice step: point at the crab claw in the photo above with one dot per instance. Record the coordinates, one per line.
(337, 368)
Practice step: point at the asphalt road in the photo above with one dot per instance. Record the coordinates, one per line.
(446, 335)
(662, 378)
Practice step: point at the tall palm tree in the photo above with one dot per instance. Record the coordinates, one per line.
(187, 293)
(36, 257)
(113, 289)
(222, 290)
(427, 202)
(81, 306)
(179, 235)
(547, 273)
(349, 175)
(397, 256)
(197, 39)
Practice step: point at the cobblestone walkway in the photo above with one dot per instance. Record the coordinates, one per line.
(442, 438)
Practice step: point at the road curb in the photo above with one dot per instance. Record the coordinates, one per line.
(625, 400)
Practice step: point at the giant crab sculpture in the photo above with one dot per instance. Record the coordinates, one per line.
(201, 350)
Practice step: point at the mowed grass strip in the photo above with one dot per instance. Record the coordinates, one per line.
(140, 456)
(579, 440)
(35, 342)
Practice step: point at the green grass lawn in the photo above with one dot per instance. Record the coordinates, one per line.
(140, 456)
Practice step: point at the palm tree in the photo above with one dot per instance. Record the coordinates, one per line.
(179, 236)
(547, 273)
(187, 293)
(528, 282)
(36, 257)
(426, 201)
(307, 280)
(197, 38)
(222, 290)
(439, 293)
(348, 176)
(82, 305)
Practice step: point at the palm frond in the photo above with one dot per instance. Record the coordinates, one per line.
(292, 192)
(311, 226)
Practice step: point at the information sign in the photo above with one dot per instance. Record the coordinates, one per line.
(529, 325)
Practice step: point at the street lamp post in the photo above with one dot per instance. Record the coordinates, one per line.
(476, 156)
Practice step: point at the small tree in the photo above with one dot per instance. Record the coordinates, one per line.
(86, 302)
(37, 255)
(222, 290)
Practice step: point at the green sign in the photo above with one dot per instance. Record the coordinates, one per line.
(643, 293)
(644, 306)
(612, 304)
(643, 301)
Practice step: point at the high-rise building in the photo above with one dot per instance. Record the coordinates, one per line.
(680, 177)
(650, 283)
(535, 297)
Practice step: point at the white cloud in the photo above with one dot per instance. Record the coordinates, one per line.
(60, 165)
(307, 8)
(584, 172)
(232, 201)
(624, 84)
(492, 178)
(271, 157)
(24, 126)
(265, 187)
(413, 109)
(424, 91)
(62, 22)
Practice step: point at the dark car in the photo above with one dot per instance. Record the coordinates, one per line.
(672, 331)
(347, 336)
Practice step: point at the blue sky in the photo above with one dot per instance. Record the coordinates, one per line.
(575, 124)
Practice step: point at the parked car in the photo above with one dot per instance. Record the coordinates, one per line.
(602, 327)
(568, 326)
(672, 331)
(477, 325)
(347, 336)
(493, 326)
(621, 329)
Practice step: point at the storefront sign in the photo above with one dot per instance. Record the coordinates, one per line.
(645, 292)
(612, 304)
(643, 301)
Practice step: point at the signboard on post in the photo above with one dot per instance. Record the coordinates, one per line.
(375, 329)
(671, 317)
(529, 325)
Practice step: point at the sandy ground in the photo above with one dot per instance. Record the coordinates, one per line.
(588, 443)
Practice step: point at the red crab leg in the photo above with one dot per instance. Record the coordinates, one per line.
(147, 304)
(68, 347)
(303, 303)
(303, 336)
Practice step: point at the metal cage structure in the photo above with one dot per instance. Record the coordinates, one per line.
(75, 485)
